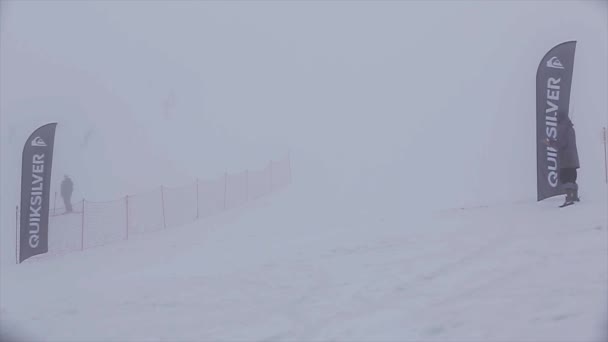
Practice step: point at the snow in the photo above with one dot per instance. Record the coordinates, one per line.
(410, 127)
(272, 271)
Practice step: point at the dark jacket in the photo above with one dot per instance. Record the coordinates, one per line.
(566, 144)
(66, 187)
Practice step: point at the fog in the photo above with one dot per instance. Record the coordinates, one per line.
(383, 98)
(388, 107)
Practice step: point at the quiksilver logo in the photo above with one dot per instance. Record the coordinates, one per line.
(551, 112)
(37, 190)
(554, 63)
(38, 142)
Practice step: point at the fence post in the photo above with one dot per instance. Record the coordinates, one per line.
(289, 165)
(82, 228)
(605, 156)
(55, 204)
(225, 188)
(271, 176)
(162, 199)
(197, 201)
(17, 239)
(246, 185)
(127, 210)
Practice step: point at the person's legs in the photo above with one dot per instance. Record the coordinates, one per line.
(575, 195)
(68, 203)
(568, 178)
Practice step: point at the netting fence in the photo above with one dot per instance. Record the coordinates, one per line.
(92, 224)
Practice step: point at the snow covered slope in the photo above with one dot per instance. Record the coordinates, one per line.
(275, 271)
(392, 111)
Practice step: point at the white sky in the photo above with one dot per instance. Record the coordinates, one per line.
(381, 101)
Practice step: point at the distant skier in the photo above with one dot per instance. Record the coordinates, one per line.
(67, 187)
(565, 144)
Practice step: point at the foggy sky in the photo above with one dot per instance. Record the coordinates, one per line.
(377, 100)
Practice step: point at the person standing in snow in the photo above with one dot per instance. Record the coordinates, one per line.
(66, 193)
(565, 144)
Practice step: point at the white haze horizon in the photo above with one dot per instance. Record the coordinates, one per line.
(387, 109)
(384, 98)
